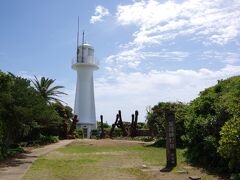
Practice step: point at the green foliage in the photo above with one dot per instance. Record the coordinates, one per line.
(144, 138)
(230, 143)
(235, 176)
(105, 125)
(62, 110)
(24, 114)
(117, 132)
(160, 142)
(141, 125)
(78, 132)
(206, 116)
(95, 133)
(48, 139)
(45, 89)
(156, 120)
(8, 152)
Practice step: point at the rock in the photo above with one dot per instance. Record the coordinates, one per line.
(182, 172)
(144, 166)
(194, 177)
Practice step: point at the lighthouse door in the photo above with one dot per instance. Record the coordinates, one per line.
(85, 132)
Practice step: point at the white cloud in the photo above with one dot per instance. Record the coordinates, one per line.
(226, 57)
(217, 21)
(136, 90)
(100, 12)
(132, 57)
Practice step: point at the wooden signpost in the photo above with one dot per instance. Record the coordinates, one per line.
(170, 139)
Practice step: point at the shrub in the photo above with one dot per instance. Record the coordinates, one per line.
(206, 116)
(48, 139)
(3, 151)
(95, 133)
(159, 143)
(78, 132)
(230, 143)
(8, 152)
(117, 132)
(144, 138)
(156, 120)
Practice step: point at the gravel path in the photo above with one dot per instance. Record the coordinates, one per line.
(15, 168)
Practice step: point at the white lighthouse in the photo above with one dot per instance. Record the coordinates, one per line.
(84, 107)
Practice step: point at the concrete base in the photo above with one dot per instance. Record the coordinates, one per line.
(88, 127)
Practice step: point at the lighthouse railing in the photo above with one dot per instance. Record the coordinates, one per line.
(90, 60)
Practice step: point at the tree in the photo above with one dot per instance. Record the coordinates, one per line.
(62, 110)
(207, 115)
(43, 87)
(156, 119)
(22, 110)
(229, 145)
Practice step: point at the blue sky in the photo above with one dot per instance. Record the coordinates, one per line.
(149, 51)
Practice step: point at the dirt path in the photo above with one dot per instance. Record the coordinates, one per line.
(15, 168)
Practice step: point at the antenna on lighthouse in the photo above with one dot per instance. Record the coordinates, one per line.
(77, 39)
(82, 45)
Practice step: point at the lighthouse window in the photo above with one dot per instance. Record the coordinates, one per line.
(90, 52)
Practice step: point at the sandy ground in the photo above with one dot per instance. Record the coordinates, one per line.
(15, 168)
(108, 142)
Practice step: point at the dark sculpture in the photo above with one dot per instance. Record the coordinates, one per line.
(119, 124)
(133, 128)
(113, 127)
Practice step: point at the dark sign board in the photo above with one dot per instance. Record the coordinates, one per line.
(170, 138)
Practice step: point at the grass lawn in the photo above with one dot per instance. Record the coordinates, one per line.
(91, 160)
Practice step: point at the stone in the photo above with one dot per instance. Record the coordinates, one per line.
(194, 177)
(182, 172)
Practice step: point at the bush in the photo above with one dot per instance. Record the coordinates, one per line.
(117, 132)
(159, 143)
(144, 138)
(8, 152)
(230, 143)
(206, 117)
(235, 176)
(156, 121)
(78, 132)
(3, 151)
(48, 139)
(95, 133)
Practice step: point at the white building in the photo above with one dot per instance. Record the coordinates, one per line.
(84, 107)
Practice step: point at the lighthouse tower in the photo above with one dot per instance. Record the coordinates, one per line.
(84, 107)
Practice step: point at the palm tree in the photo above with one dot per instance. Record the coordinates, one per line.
(50, 94)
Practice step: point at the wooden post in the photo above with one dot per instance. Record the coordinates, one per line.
(135, 124)
(132, 126)
(170, 139)
(102, 130)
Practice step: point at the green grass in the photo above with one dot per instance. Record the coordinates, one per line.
(94, 149)
(75, 161)
(152, 155)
